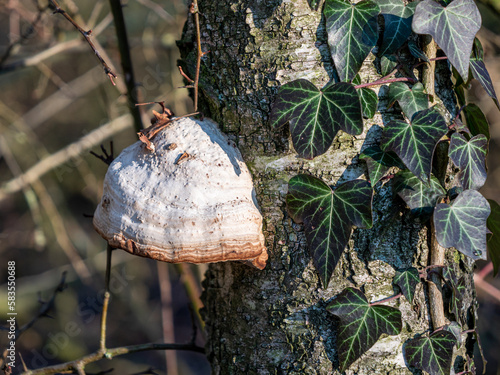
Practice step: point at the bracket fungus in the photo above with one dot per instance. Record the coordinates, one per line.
(191, 203)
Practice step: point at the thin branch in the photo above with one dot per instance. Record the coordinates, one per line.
(385, 300)
(193, 9)
(69, 152)
(383, 81)
(23, 37)
(86, 35)
(428, 71)
(111, 353)
(126, 61)
(54, 50)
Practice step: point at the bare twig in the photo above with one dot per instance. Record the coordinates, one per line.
(105, 157)
(54, 50)
(384, 81)
(73, 150)
(193, 291)
(193, 9)
(86, 35)
(167, 315)
(126, 61)
(385, 300)
(23, 37)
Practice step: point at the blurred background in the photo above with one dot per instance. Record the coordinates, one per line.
(56, 104)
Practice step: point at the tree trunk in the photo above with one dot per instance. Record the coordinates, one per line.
(274, 321)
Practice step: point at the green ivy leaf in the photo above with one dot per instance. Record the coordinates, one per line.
(456, 303)
(328, 216)
(479, 71)
(407, 281)
(476, 120)
(315, 116)
(421, 198)
(453, 28)
(417, 52)
(379, 162)
(352, 33)
(387, 64)
(397, 24)
(361, 324)
(470, 157)
(432, 354)
(369, 101)
(493, 224)
(415, 143)
(411, 100)
(462, 224)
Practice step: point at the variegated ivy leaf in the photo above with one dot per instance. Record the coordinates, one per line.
(420, 197)
(411, 100)
(361, 324)
(462, 224)
(432, 353)
(415, 143)
(407, 281)
(352, 33)
(476, 120)
(328, 216)
(493, 224)
(315, 116)
(397, 24)
(470, 157)
(478, 69)
(367, 97)
(453, 28)
(379, 162)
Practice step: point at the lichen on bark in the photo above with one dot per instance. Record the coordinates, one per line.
(274, 321)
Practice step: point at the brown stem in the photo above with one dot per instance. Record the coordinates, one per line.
(194, 11)
(386, 299)
(126, 61)
(437, 253)
(383, 81)
(86, 35)
(428, 79)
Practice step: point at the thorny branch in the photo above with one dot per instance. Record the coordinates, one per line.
(86, 35)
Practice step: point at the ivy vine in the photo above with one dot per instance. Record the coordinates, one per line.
(461, 216)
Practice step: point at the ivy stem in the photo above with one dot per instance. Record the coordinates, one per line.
(428, 79)
(437, 253)
(386, 300)
(383, 81)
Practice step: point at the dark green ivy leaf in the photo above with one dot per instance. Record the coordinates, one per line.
(352, 33)
(458, 288)
(420, 197)
(415, 143)
(453, 28)
(493, 224)
(387, 64)
(407, 281)
(328, 216)
(462, 224)
(397, 24)
(361, 325)
(315, 116)
(369, 101)
(470, 157)
(476, 120)
(479, 71)
(432, 354)
(411, 100)
(379, 162)
(417, 52)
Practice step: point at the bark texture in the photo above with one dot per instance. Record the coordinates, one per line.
(274, 321)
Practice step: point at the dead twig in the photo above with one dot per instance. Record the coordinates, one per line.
(86, 35)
